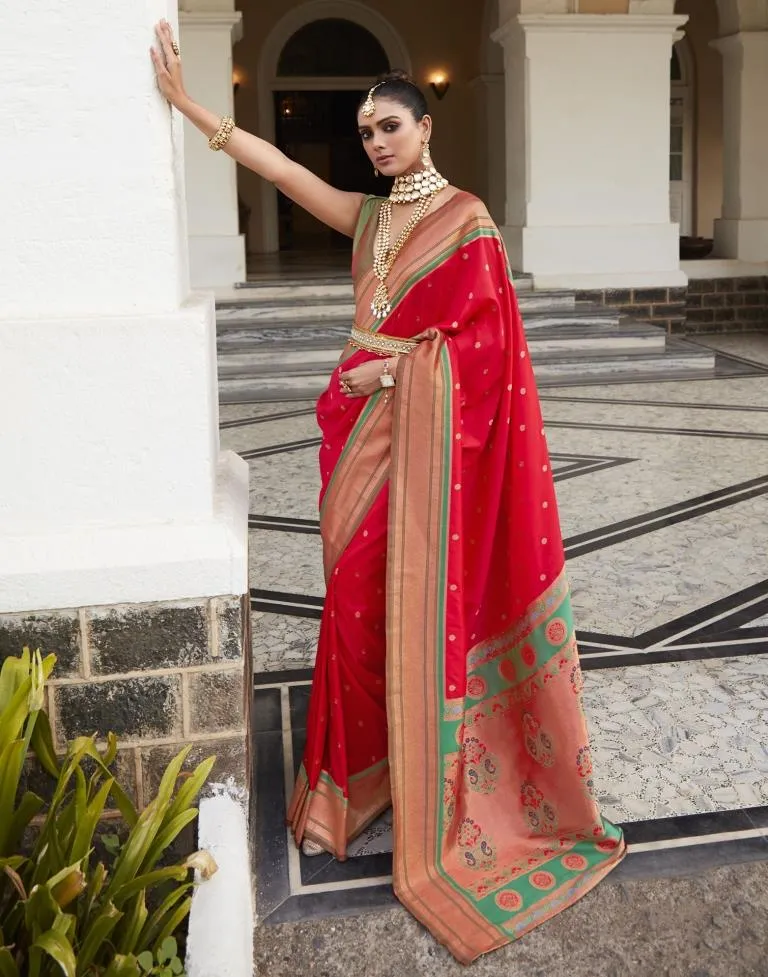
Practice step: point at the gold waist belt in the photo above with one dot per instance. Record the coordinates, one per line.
(376, 342)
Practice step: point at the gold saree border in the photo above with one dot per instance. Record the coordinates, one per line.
(416, 581)
(442, 232)
(360, 474)
(329, 818)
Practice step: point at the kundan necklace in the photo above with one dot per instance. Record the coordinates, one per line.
(429, 184)
(413, 186)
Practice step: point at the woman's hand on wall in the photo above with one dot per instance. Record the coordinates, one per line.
(168, 65)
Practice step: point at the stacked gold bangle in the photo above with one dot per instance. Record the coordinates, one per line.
(222, 136)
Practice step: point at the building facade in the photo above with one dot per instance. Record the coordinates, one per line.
(599, 132)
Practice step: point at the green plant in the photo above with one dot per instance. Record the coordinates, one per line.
(167, 963)
(61, 909)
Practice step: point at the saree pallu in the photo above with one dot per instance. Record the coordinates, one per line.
(447, 681)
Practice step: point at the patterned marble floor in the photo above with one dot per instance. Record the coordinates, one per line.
(663, 491)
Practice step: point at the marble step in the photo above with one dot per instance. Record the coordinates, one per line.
(306, 382)
(300, 313)
(268, 360)
(308, 290)
(333, 332)
(300, 386)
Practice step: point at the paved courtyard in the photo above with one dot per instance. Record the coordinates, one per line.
(663, 490)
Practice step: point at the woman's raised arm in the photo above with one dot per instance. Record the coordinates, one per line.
(336, 208)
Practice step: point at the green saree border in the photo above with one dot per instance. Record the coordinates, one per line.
(353, 436)
(477, 233)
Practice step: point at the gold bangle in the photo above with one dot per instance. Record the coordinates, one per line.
(222, 136)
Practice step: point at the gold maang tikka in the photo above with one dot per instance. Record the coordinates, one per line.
(369, 106)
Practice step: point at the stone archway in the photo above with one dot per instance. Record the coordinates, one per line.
(268, 82)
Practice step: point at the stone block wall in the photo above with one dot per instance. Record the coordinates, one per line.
(727, 305)
(662, 306)
(159, 676)
(706, 305)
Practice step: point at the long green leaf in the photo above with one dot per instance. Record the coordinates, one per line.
(108, 757)
(97, 936)
(28, 807)
(135, 850)
(15, 715)
(132, 925)
(157, 919)
(40, 911)
(11, 764)
(169, 778)
(175, 873)
(87, 822)
(173, 922)
(8, 966)
(13, 674)
(42, 745)
(166, 837)
(124, 804)
(191, 788)
(95, 885)
(59, 949)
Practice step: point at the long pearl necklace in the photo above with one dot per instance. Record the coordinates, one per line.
(386, 254)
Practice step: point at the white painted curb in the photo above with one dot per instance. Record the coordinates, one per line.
(221, 922)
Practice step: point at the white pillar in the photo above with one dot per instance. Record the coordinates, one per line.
(491, 141)
(216, 247)
(588, 108)
(742, 232)
(112, 488)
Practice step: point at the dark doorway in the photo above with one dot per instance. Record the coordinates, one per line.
(319, 130)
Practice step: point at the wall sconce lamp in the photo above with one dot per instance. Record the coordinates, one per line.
(237, 80)
(440, 84)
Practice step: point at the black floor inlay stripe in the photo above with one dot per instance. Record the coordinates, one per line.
(280, 449)
(273, 524)
(291, 605)
(670, 515)
(265, 418)
(321, 886)
(714, 619)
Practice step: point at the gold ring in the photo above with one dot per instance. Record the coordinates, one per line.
(345, 387)
(176, 50)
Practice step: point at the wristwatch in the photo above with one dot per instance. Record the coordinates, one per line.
(386, 379)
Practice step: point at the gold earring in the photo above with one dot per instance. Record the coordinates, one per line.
(426, 158)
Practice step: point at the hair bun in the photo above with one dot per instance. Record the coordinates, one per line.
(395, 75)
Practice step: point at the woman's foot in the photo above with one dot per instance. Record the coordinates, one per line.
(311, 848)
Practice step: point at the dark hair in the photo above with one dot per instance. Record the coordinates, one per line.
(399, 86)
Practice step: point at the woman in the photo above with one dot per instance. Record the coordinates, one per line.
(447, 682)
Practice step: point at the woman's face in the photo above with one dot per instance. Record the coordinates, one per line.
(393, 139)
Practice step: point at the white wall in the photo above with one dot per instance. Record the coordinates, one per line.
(112, 488)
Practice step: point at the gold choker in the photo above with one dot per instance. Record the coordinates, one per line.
(416, 186)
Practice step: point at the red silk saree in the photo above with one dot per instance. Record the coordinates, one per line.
(447, 681)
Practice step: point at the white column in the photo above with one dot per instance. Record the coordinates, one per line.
(491, 141)
(216, 247)
(742, 232)
(588, 108)
(112, 487)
